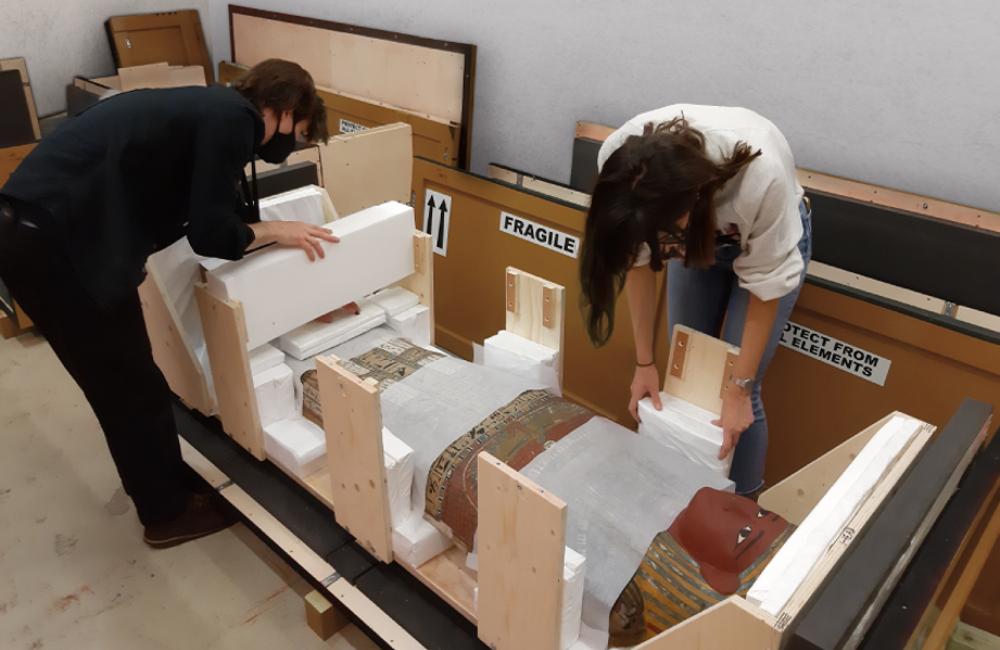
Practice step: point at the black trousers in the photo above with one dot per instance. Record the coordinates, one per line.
(107, 352)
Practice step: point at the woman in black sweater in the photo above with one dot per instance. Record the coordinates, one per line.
(122, 180)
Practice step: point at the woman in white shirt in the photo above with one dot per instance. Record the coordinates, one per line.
(710, 193)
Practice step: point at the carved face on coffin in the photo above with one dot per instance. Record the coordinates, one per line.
(725, 533)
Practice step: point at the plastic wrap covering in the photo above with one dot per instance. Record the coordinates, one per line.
(309, 204)
(621, 489)
(435, 405)
(517, 355)
(314, 337)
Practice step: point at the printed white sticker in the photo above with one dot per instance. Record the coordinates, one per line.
(437, 215)
(836, 353)
(536, 233)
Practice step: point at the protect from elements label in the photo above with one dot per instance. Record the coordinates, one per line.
(836, 353)
(346, 126)
(538, 234)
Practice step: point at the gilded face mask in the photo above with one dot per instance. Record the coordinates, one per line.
(279, 147)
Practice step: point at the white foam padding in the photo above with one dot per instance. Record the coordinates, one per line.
(280, 289)
(791, 565)
(574, 566)
(296, 444)
(308, 203)
(413, 324)
(264, 358)
(395, 300)
(275, 394)
(315, 337)
(399, 476)
(518, 355)
(415, 541)
(686, 428)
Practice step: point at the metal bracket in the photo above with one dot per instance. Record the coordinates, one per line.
(950, 308)
(679, 354)
(512, 292)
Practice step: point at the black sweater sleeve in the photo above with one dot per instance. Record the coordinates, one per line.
(223, 145)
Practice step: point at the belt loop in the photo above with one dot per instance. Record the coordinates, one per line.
(808, 202)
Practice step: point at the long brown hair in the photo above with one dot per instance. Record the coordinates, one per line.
(645, 187)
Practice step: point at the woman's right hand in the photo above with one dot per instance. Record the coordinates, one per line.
(295, 234)
(645, 381)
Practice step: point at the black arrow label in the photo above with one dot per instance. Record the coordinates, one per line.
(429, 221)
(443, 225)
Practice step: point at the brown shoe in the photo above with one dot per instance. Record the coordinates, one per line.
(201, 517)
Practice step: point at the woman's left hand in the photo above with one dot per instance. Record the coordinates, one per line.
(736, 417)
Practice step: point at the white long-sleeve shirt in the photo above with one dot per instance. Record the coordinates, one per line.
(761, 201)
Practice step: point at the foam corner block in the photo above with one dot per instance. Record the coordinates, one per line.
(316, 337)
(399, 476)
(275, 394)
(685, 428)
(280, 289)
(574, 571)
(415, 541)
(413, 324)
(395, 300)
(264, 358)
(296, 444)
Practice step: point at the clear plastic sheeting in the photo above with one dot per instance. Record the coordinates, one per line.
(438, 403)
(621, 489)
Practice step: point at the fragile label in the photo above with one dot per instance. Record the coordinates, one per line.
(836, 353)
(347, 126)
(538, 234)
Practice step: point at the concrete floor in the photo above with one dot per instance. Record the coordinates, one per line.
(74, 572)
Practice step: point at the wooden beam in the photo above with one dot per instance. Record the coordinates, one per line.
(226, 340)
(698, 368)
(521, 543)
(322, 617)
(368, 167)
(536, 311)
(421, 281)
(733, 623)
(352, 419)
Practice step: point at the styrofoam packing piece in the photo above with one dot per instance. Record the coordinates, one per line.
(415, 541)
(296, 444)
(308, 203)
(621, 490)
(316, 337)
(574, 574)
(590, 639)
(685, 428)
(264, 358)
(520, 356)
(275, 394)
(399, 476)
(280, 289)
(395, 300)
(413, 324)
(792, 564)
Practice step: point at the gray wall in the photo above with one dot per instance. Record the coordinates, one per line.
(904, 94)
(60, 39)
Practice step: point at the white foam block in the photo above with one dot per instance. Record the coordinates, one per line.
(518, 355)
(280, 289)
(264, 358)
(413, 324)
(315, 337)
(275, 394)
(395, 300)
(415, 541)
(309, 204)
(296, 444)
(685, 428)
(574, 566)
(791, 565)
(399, 476)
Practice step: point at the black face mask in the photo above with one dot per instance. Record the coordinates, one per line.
(279, 147)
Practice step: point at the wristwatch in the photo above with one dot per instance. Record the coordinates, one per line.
(745, 384)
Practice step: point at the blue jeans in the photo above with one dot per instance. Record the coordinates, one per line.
(710, 300)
